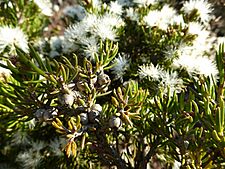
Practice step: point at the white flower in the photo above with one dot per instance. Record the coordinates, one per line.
(68, 46)
(186, 62)
(122, 65)
(150, 71)
(205, 66)
(132, 14)
(163, 18)
(90, 47)
(153, 18)
(12, 37)
(75, 11)
(105, 32)
(112, 20)
(194, 63)
(204, 9)
(45, 6)
(115, 8)
(171, 80)
(103, 27)
(73, 35)
(90, 20)
(203, 42)
(75, 32)
(96, 4)
(195, 28)
(176, 165)
(170, 16)
(106, 26)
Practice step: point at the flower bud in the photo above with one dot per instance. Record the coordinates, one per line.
(115, 122)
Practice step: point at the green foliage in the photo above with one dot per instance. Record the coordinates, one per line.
(69, 111)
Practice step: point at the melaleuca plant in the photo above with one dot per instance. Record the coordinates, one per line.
(118, 84)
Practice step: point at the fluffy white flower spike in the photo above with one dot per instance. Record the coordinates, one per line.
(122, 65)
(150, 71)
(90, 46)
(194, 63)
(204, 9)
(115, 8)
(172, 81)
(163, 18)
(13, 37)
(132, 14)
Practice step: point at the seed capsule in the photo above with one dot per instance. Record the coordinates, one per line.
(84, 118)
(96, 107)
(66, 99)
(115, 122)
(92, 116)
(103, 79)
(43, 114)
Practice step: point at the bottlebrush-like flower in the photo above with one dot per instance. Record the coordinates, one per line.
(204, 9)
(150, 71)
(132, 14)
(115, 8)
(122, 65)
(13, 37)
(171, 80)
(163, 18)
(194, 63)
